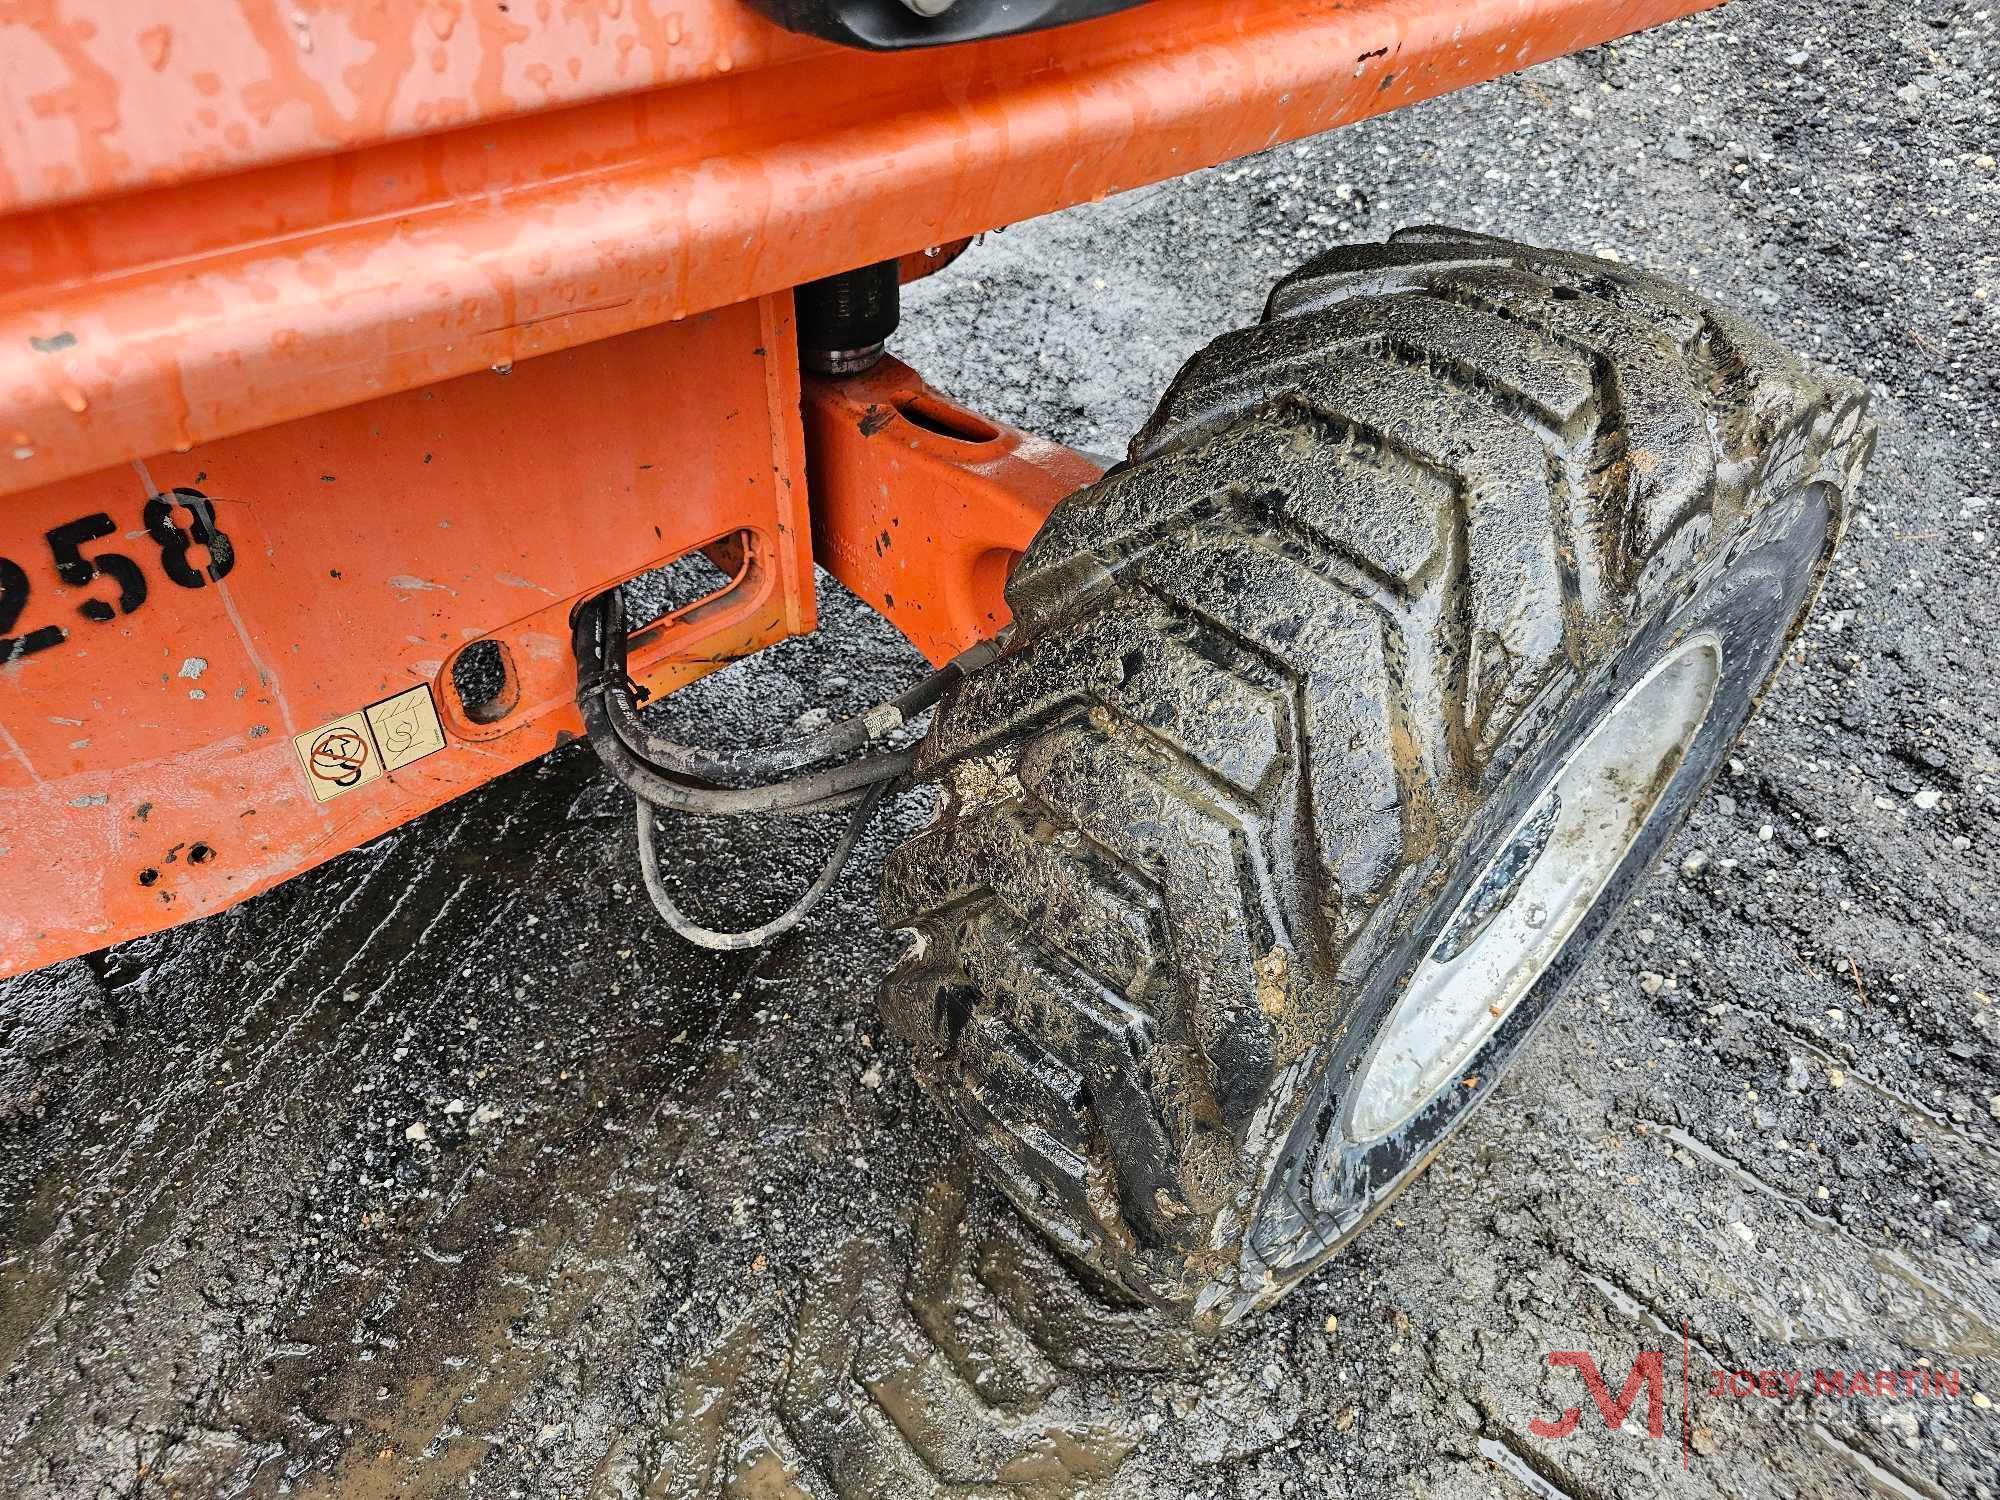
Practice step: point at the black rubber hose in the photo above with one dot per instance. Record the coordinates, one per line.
(722, 767)
(687, 782)
(823, 791)
(726, 942)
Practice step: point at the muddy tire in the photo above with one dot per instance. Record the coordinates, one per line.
(1338, 724)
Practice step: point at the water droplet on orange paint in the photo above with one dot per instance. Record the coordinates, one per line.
(73, 398)
(443, 18)
(672, 31)
(153, 45)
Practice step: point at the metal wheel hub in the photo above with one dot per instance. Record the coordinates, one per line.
(1550, 870)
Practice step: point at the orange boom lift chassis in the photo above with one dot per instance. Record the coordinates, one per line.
(345, 347)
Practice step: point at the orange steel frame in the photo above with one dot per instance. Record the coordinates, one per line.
(337, 336)
(921, 506)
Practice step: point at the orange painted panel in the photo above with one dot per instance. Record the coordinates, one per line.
(170, 653)
(159, 319)
(112, 95)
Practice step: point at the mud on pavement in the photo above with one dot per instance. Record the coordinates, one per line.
(444, 1170)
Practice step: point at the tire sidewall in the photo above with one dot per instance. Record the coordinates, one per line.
(1752, 594)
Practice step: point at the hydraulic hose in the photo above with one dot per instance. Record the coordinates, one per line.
(663, 773)
(603, 617)
(724, 942)
(599, 641)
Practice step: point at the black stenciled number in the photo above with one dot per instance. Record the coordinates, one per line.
(14, 599)
(76, 570)
(66, 543)
(203, 532)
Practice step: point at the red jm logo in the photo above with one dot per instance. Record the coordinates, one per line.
(1648, 1373)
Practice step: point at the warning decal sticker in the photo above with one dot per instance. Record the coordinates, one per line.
(357, 748)
(406, 727)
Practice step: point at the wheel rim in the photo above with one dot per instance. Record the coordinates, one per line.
(1535, 892)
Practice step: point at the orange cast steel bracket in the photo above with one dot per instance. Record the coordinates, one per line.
(921, 507)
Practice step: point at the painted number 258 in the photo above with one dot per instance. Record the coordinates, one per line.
(76, 567)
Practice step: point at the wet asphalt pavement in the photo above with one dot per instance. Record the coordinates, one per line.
(445, 1170)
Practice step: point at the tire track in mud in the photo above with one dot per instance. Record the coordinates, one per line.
(190, 1152)
(962, 1361)
(532, 1258)
(961, 1365)
(260, 1034)
(212, 1140)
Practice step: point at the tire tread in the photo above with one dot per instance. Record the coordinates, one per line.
(1270, 660)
